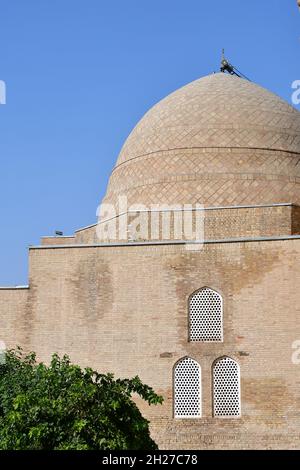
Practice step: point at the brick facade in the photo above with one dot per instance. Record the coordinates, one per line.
(122, 306)
(124, 309)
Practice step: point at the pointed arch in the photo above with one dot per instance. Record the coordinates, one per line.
(187, 388)
(205, 315)
(226, 388)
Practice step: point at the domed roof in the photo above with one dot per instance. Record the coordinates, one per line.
(220, 140)
(218, 110)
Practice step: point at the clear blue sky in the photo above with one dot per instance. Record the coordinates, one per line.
(81, 73)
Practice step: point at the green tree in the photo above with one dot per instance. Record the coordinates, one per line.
(62, 406)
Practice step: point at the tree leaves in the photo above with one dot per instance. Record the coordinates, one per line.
(64, 407)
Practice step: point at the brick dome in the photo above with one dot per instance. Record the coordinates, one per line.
(220, 140)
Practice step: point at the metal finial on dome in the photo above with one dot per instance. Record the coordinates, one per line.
(227, 67)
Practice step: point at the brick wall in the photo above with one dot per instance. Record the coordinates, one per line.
(210, 224)
(124, 309)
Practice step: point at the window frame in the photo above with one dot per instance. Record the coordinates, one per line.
(213, 389)
(189, 316)
(175, 416)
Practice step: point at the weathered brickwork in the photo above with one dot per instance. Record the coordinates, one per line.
(14, 318)
(58, 240)
(209, 224)
(125, 310)
(214, 224)
(295, 220)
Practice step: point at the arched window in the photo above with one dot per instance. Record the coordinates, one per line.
(187, 389)
(205, 316)
(226, 388)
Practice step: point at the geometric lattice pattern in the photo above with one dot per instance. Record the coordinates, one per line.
(187, 389)
(213, 142)
(162, 166)
(226, 388)
(217, 190)
(205, 316)
(217, 110)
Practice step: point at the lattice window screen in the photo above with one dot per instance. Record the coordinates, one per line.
(226, 388)
(205, 312)
(187, 389)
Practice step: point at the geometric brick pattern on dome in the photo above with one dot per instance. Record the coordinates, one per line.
(216, 191)
(216, 177)
(217, 110)
(219, 140)
(163, 165)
